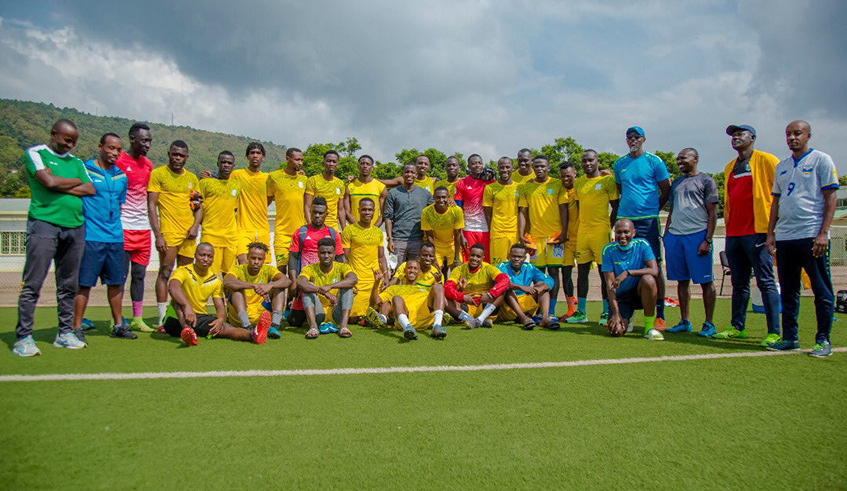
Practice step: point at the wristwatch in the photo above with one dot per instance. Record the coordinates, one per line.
(708, 240)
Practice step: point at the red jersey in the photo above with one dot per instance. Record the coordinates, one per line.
(469, 191)
(309, 251)
(741, 220)
(134, 210)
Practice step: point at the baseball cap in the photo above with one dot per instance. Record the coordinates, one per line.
(636, 129)
(735, 127)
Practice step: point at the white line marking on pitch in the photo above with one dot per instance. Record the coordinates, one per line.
(377, 370)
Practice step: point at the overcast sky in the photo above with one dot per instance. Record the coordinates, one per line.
(467, 76)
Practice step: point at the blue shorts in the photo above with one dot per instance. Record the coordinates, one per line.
(648, 229)
(104, 260)
(628, 302)
(683, 263)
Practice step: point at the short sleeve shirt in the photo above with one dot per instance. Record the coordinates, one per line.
(309, 248)
(134, 210)
(359, 191)
(317, 277)
(469, 192)
(639, 178)
(198, 289)
(265, 275)
(451, 186)
(364, 245)
(526, 276)
(689, 196)
(220, 200)
(425, 279)
(617, 260)
(479, 281)
(542, 200)
(103, 210)
(175, 215)
(60, 209)
(252, 200)
(332, 191)
(799, 185)
(503, 201)
(287, 191)
(442, 225)
(594, 195)
(413, 295)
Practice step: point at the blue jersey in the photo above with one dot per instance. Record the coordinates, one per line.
(639, 178)
(528, 275)
(103, 210)
(617, 260)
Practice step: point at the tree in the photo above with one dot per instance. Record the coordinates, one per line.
(437, 158)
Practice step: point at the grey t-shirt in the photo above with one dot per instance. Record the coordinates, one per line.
(404, 209)
(689, 195)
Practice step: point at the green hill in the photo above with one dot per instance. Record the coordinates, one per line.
(23, 124)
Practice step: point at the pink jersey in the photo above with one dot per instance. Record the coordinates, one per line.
(469, 192)
(134, 211)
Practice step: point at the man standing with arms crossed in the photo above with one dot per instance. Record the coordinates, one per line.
(500, 206)
(252, 220)
(468, 197)
(134, 218)
(287, 188)
(637, 175)
(801, 214)
(403, 207)
(220, 200)
(688, 238)
(57, 180)
(748, 185)
(174, 225)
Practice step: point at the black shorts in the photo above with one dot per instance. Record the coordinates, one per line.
(648, 229)
(628, 302)
(201, 327)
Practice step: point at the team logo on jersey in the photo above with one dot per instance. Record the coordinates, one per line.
(189, 185)
(597, 187)
(234, 192)
(337, 191)
(128, 169)
(300, 184)
(549, 191)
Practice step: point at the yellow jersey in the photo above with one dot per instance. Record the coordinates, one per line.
(332, 191)
(573, 214)
(364, 244)
(175, 215)
(266, 275)
(427, 183)
(451, 187)
(220, 200)
(425, 279)
(503, 201)
(517, 178)
(198, 289)
(594, 195)
(542, 199)
(252, 200)
(479, 281)
(314, 274)
(414, 296)
(442, 225)
(287, 192)
(359, 190)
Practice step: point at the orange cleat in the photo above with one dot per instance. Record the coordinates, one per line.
(260, 332)
(659, 324)
(189, 337)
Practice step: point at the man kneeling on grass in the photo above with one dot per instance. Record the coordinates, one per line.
(630, 270)
(529, 290)
(475, 289)
(414, 304)
(316, 281)
(254, 285)
(190, 287)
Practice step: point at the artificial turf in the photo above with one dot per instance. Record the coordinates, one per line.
(772, 422)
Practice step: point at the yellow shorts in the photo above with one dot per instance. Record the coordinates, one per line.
(445, 254)
(527, 303)
(362, 298)
(499, 246)
(569, 253)
(547, 254)
(245, 237)
(254, 311)
(421, 317)
(281, 245)
(224, 259)
(185, 247)
(589, 247)
(474, 310)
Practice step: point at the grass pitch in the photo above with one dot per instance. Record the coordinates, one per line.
(770, 422)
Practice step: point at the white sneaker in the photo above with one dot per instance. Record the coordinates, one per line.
(68, 340)
(630, 326)
(654, 335)
(26, 347)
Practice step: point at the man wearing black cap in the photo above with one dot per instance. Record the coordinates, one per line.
(748, 183)
(637, 175)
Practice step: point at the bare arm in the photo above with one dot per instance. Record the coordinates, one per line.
(771, 241)
(153, 215)
(563, 217)
(664, 192)
(486, 210)
(391, 183)
(195, 228)
(86, 189)
(55, 183)
(307, 205)
(178, 297)
(234, 284)
(668, 221)
(522, 223)
(609, 278)
(381, 218)
(613, 216)
(821, 243)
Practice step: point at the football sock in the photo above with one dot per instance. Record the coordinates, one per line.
(605, 306)
(580, 304)
(649, 322)
(245, 319)
(553, 305)
(276, 318)
(137, 309)
(570, 301)
(163, 308)
(463, 316)
(660, 308)
(403, 320)
(382, 317)
(436, 317)
(486, 312)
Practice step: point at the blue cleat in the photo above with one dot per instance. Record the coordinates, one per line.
(86, 324)
(683, 326)
(708, 330)
(274, 333)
